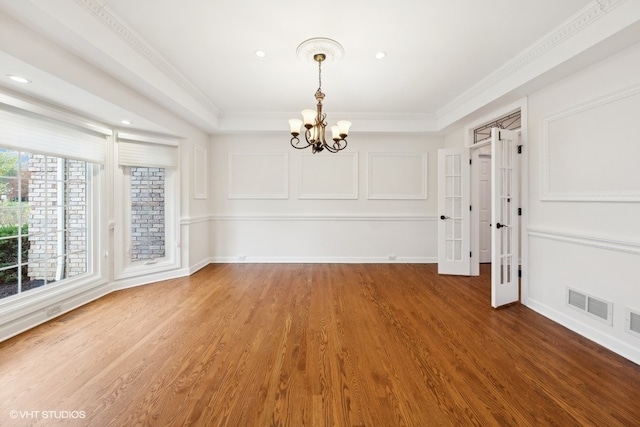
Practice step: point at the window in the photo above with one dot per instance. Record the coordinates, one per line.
(49, 197)
(147, 214)
(147, 195)
(43, 220)
(511, 122)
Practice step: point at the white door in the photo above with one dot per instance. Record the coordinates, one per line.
(453, 211)
(504, 217)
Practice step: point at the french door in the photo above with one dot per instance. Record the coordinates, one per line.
(453, 204)
(505, 233)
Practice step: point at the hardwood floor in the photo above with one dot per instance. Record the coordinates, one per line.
(312, 345)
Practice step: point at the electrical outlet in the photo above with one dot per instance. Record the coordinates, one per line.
(392, 257)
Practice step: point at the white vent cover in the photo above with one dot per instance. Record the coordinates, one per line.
(632, 322)
(594, 307)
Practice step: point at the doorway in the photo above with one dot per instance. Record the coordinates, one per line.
(491, 226)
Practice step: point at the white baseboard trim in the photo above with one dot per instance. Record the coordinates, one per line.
(619, 347)
(36, 314)
(324, 260)
(133, 282)
(199, 266)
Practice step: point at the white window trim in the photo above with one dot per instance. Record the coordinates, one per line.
(124, 268)
(15, 307)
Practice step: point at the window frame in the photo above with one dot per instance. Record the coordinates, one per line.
(124, 267)
(95, 271)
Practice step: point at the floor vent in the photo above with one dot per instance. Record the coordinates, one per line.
(633, 322)
(595, 307)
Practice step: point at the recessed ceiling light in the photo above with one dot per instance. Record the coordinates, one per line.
(260, 53)
(125, 122)
(18, 79)
(380, 55)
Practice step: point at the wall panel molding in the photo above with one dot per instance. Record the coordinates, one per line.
(397, 176)
(194, 219)
(584, 240)
(596, 119)
(200, 176)
(258, 175)
(329, 177)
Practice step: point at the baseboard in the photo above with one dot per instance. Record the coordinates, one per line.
(133, 282)
(198, 266)
(55, 307)
(323, 260)
(619, 347)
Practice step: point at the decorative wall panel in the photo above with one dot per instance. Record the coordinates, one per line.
(329, 176)
(200, 175)
(258, 176)
(590, 152)
(397, 176)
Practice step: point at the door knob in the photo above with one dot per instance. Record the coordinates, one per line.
(444, 217)
(499, 226)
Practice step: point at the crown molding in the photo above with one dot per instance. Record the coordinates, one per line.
(107, 17)
(487, 87)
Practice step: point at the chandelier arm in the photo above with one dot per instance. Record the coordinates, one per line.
(337, 146)
(330, 149)
(297, 140)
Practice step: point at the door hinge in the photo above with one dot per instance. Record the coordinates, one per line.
(469, 208)
(519, 149)
(519, 211)
(470, 254)
(469, 161)
(519, 273)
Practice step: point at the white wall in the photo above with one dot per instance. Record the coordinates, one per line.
(584, 186)
(273, 203)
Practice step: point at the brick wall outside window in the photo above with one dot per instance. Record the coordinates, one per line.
(147, 213)
(45, 230)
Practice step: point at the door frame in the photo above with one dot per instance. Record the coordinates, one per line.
(524, 190)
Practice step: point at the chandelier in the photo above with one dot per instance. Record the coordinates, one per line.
(319, 49)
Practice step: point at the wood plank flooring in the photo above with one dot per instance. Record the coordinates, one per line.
(312, 345)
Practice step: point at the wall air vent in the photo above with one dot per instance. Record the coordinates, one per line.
(576, 299)
(590, 305)
(632, 322)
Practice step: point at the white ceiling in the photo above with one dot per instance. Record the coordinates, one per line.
(196, 57)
